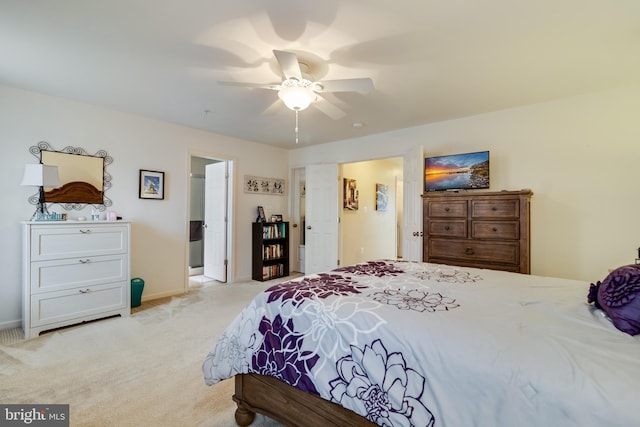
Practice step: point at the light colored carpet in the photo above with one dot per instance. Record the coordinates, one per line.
(140, 370)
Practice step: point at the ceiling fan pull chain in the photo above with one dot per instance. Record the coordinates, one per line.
(296, 126)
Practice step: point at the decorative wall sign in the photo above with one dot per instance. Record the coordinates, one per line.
(350, 195)
(260, 185)
(382, 197)
(151, 185)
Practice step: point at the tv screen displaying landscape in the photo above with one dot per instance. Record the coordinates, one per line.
(457, 172)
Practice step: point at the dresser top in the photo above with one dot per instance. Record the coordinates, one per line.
(469, 193)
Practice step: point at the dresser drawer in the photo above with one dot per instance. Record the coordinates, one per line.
(448, 228)
(502, 230)
(447, 208)
(78, 241)
(502, 209)
(469, 250)
(54, 307)
(56, 275)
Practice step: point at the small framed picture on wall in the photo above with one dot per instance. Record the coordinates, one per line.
(350, 195)
(382, 197)
(151, 185)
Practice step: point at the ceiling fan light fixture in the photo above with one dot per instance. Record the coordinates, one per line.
(297, 97)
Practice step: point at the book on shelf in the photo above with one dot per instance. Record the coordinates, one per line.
(274, 231)
(273, 251)
(271, 271)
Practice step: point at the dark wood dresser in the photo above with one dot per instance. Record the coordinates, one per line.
(478, 229)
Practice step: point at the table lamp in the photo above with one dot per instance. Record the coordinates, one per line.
(41, 176)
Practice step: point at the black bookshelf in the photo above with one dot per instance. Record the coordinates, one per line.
(269, 250)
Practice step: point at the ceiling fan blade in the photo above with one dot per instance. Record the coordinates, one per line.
(328, 108)
(252, 85)
(363, 85)
(289, 64)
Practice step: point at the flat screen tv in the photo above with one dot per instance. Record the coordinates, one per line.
(457, 172)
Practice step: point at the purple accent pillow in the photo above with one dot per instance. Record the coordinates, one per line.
(619, 296)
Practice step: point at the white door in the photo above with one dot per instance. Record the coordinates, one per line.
(412, 206)
(215, 221)
(321, 212)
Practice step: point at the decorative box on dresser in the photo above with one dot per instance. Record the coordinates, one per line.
(74, 272)
(478, 229)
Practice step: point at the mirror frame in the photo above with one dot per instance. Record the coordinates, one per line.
(37, 150)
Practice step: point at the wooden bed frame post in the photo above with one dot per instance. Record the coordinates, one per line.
(288, 405)
(244, 416)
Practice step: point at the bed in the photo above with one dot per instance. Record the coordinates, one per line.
(394, 343)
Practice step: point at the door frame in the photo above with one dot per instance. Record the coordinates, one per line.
(231, 200)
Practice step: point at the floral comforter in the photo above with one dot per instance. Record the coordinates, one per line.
(417, 344)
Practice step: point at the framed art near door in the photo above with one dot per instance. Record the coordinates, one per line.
(151, 185)
(382, 197)
(350, 195)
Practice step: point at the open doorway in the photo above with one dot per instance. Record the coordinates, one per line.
(371, 227)
(210, 217)
(370, 210)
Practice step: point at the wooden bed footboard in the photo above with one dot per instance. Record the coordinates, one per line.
(286, 404)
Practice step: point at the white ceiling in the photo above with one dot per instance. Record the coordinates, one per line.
(430, 60)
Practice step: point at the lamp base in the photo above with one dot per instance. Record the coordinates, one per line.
(41, 213)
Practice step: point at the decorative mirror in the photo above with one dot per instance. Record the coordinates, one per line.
(83, 177)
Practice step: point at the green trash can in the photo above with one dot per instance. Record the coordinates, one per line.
(137, 286)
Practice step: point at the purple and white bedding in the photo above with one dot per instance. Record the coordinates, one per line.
(418, 344)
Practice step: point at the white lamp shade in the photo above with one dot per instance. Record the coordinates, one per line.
(296, 97)
(40, 175)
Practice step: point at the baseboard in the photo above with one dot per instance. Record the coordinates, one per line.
(10, 324)
(242, 279)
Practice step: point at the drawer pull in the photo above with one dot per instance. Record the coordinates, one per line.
(85, 231)
(85, 261)
(85, 291)
(493, 208)
(494, 229)
(446, 227)
(446, 209)
(468, 251)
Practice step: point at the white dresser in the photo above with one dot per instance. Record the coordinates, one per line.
(74, 272)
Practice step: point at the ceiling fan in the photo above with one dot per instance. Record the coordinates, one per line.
(297, 89)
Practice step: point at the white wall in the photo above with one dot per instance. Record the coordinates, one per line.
(159, 228)
(366, 233)
(579, 156)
